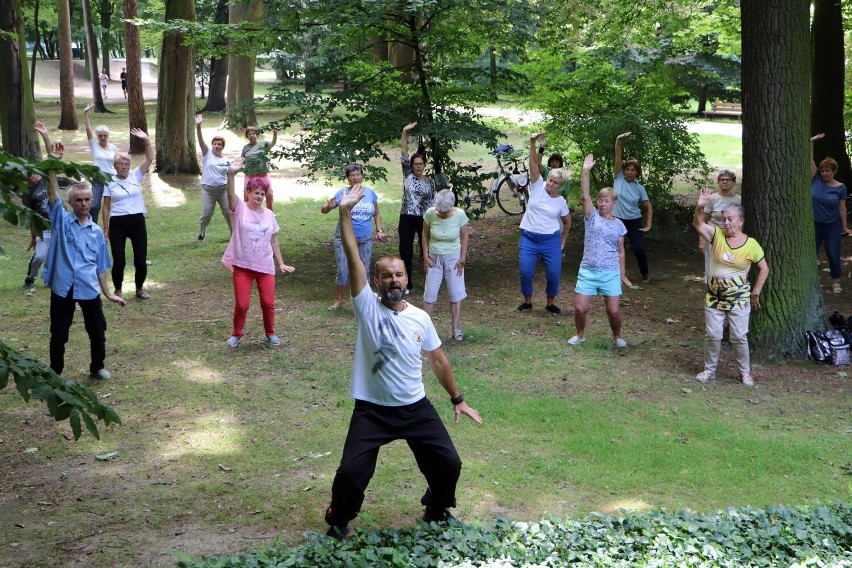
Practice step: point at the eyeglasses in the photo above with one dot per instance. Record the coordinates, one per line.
(725, 179)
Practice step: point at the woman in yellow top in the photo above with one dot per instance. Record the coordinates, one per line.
(729, 295)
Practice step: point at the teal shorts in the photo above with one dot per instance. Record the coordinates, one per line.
(598, 282)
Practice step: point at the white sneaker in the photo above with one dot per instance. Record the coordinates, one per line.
(747, 380)
(620, 343)
(576, 340)
(705, 376)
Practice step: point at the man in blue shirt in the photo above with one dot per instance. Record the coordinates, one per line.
(75, 272)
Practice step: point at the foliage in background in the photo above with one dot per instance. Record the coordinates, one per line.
(65, 399)
(775, 536)
(395, 64)
(587, 107)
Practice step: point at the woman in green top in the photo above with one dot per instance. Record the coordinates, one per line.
(257, 161)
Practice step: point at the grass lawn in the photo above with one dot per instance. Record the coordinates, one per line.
(221, 450)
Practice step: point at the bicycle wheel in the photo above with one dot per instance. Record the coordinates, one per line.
(508, 198)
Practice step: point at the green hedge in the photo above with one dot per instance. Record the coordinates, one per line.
(775, 536)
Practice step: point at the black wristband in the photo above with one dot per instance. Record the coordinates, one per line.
(457, 399)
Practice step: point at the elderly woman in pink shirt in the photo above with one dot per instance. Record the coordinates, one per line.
(252, 254)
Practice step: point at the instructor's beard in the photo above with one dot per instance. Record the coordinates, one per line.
(393, 295)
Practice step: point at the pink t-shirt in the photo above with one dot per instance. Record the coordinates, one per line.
(250, 245)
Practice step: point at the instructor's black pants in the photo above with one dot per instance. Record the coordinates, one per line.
(371, 427)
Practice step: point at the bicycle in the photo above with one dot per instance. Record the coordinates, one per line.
(512, 184)
(471, 194)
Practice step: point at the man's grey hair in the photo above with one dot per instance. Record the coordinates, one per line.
(80, 186)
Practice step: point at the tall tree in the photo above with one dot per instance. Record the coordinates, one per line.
(827, 85)
(105, 10)
(176, 97)
(240, 91)
(776, 72)
(36, 44)
(218, 66)
(92, 52)
(16, 99)
(135, 99)
(68, 116)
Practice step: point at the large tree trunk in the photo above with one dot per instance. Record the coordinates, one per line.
(16, 99)
(241, 70)
(105, 9)
(135, 98)
(776, 70)
(218, 69)
(36, 43)
(68, 116)
(92, 52)
(176, 97)
(827, 88)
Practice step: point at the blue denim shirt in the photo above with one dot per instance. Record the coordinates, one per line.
(77, 254)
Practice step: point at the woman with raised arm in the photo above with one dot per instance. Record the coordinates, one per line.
(445, 237)
(124, 216)
(363, 215)
(729, 296)
(719, 201)
(829, 201)
(252, 254)
(418, 195)
(544, 231)
(256, 155)
(214, 179)
(103, 156)
(602, 268)
(632, 196)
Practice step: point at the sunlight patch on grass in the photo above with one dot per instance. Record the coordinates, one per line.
(213, 433)
(164, 194)
(195, 372)
(627, 504)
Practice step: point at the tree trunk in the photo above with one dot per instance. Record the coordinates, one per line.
(218, 69)
(16, 100)
(702, 100)
(492, 64)
(776, 196)
(36, 43)
(133, 65)
(827, 88)
(241, 69)
(105, 10)
(92, 52)
(176, 97)
(68, 116)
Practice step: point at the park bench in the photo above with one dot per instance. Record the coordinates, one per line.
(734, 110)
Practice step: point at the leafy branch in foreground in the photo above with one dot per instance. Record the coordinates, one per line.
(65, 399)
(775, 536)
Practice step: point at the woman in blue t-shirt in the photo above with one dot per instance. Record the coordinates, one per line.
(632, 196)
(829, 202)
(366, 211)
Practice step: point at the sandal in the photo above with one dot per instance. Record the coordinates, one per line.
(458, 335)
(142, 294)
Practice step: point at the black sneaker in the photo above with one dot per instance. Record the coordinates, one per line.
(553, 308)
(524, 307)
(338, 533)
(437, 515)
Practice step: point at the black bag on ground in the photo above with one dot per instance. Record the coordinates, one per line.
(840, 348)
(819, 348)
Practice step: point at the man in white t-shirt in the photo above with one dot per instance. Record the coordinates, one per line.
(387, 385)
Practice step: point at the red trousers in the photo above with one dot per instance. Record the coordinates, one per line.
(243, 279)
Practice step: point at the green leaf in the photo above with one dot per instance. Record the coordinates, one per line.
(90, 424)
(74, 420)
